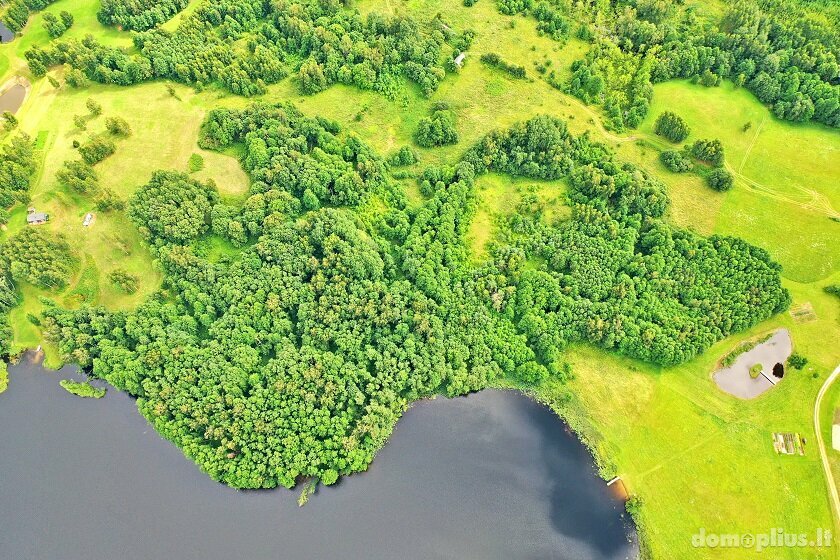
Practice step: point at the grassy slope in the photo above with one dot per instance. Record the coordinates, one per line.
(697, 457)
(112, 241)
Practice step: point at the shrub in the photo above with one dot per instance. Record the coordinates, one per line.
(531, 372)
(85, 390)
(93, 107)
(675, 161)
(10, 122)
(709, 78)
(78, 176)
(311, 76)
(437, 130)
(75, 78)
(797, 361)
(196, 163)
(118, 126)
(493, 59)
(126, 282)
(108, 200)
(403, 156)
(720, 179)
(96, 150)
(671, 126)
(56, 26)
(710, 151)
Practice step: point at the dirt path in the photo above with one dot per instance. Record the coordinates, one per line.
(752, 144)
(829, 476)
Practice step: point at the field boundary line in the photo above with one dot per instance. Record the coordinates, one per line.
(829, 476)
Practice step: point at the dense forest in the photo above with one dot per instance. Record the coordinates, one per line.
(616, 274)
(781, 50)
(295, 357)
(322, 42)
(790, 63)
(138, 15)
(17, 165)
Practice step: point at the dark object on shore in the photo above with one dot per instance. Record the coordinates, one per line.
(779, 371)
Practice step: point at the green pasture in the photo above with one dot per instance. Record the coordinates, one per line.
(787, 177)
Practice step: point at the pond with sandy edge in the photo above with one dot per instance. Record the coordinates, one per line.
(771, 354)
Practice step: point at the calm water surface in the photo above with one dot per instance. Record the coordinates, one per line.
(490, 476)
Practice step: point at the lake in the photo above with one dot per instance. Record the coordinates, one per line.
(489, 476)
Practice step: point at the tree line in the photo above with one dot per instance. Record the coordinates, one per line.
(323, 43)
(17, 12)
(785, 52)
(138, 15)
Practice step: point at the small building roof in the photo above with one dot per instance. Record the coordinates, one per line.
(459, 60)
(36, 217)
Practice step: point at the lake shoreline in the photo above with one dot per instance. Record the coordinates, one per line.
(502, 452)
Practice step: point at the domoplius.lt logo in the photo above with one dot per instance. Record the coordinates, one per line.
(776, 537)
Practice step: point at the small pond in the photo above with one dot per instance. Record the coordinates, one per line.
(6, 34)
(490, 476)
(12, 98)
(772, 355)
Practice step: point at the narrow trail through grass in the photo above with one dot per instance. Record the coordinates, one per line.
(829, 477)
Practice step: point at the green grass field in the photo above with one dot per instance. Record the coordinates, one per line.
(164, 135)
(697, 457)
(685, 446)
(789, 189)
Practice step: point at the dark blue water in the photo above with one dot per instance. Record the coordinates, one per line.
(490, 476)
